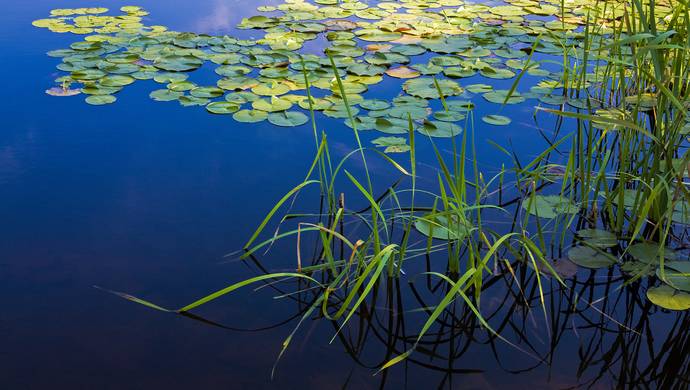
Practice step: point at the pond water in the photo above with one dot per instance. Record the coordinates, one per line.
(148, 197)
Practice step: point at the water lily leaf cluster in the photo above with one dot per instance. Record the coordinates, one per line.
(429, 46)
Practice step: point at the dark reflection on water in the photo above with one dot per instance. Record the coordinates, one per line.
(146, 197)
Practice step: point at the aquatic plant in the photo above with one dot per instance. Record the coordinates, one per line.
(609, 192)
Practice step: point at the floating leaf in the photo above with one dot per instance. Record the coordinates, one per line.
(669, 298)
(392, 144)
(439, 129)
(178, 63)
(587, 257)
(426, 88)
(222, 107)
(648, 253)
(250, 116)
(98, 100)
(188, 101)
(374, 104)
(598, 238)
(498, 120)
(273, 89)
(443, 227)
(116, 81)
(549, 206)
(676, 274)
(206, 92)
(275, 104)
(499, 97)
(449, 116)
(366, 69)
(165, 95)
(287, 118)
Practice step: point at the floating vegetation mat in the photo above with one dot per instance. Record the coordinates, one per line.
(549, 53)
(430, 46)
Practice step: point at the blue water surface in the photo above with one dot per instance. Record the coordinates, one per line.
(147, 197)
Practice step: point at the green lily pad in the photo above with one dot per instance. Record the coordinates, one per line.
(206, 92)
(287, 118)
(392, 125)
(97, 89)
(676, 274)
(598, 238)
(168, 77)
(499, 97)
(449, 116)
(366, 69)
(427, 89)
(587, 257)
(273, 89)
(275, 104)
(498, 120)
(374, 104)
(88, 74)
(165, 95)
(549, 206)
(479, 88)
(497, 73)
(443, 227)
(222, 107)
(376, 35)
(392, 144)
(177, 63)
(250, 116)
(98, 100)
(188, 101)
(669, 298)
(648, 253)
(439, 129)
(116, 81)
(318, 104)
(181, 86)
(241, 97)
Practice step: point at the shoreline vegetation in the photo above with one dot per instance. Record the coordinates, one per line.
(613, 76)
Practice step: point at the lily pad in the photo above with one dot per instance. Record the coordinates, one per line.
(676, 274)
(206, 92)
(165, 95)
(443, 227)
(287, 118)
(116, 80)
(427, 89)
(549, 206)
(498, 120)
(177, 63)
(274, 104)
(587, 257)
(648, 252)
(500, 96)
(439, 129)
(98, 100)
(669, 298)
(598, 238)
(222, 107)
(392, 144)
(374, 104)
(250, 116)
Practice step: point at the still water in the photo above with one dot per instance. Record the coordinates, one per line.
(148, 197)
